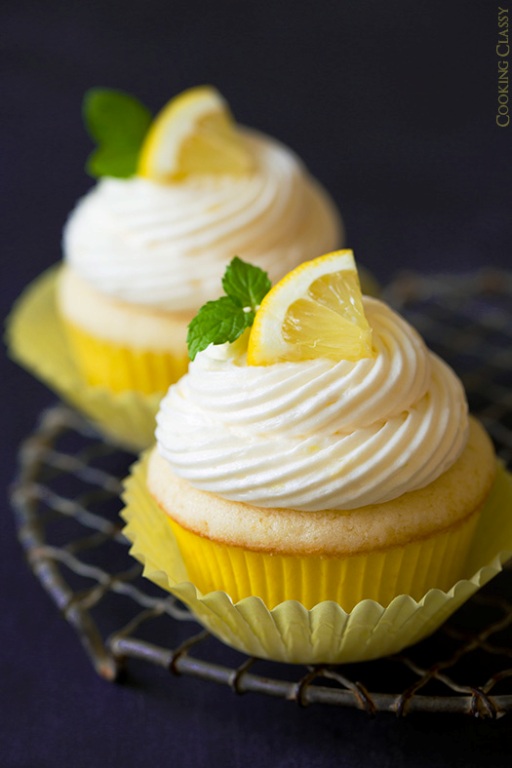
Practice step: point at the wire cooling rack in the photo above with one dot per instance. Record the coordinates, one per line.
(66, 499)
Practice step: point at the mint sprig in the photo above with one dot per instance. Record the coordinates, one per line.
(216, 322)
(118, 123)
(245, 283)
(226, 318)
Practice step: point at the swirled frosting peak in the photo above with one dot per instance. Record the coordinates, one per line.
(317, 434)
(167, 245)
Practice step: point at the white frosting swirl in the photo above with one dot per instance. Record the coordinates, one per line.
(167, 245)
(317, 434)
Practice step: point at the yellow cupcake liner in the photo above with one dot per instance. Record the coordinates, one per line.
(325, 633)
(37, 340)
(119, 368)
(380, 576)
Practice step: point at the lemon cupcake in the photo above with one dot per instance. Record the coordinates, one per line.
(324, 455)
(178, 197)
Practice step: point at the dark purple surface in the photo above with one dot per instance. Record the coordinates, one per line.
(392, 105)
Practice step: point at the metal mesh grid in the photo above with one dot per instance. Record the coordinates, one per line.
(66, 499)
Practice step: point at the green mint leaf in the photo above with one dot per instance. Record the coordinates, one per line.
(111, 114)
(107, 161)
(118, 123)
(225, 319)
(245, 283)
(217, 322)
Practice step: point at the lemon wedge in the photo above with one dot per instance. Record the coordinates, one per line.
(315, 311)
(194, 133)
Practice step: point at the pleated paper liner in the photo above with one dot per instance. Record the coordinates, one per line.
(119, 368)
(37, 340)
(325, 633)
(434, 561)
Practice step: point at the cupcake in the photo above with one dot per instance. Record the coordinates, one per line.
(177, 198)
(321, 454)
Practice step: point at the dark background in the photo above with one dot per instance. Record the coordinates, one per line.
(392, 106)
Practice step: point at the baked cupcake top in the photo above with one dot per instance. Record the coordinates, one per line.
(164, 240)
(319, 433)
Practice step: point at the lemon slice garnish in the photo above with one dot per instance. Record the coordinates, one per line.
(194, 133)
(315, 311)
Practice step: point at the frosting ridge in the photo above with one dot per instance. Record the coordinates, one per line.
(317, 434)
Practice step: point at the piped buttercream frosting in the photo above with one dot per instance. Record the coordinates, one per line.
(317, 434)
(167, 245)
